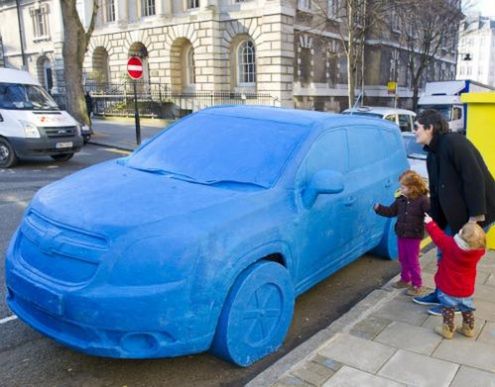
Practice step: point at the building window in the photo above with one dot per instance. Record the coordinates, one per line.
(304, 4)
(40, 21)
(192, 4)
(148, 7)
(246, 64)
(333, 9)
(190, 66)
(108, 10)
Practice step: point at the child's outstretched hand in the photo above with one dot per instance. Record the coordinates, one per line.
(375, 206)
(428, 218)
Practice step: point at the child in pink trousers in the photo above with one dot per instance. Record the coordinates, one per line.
(456, 274)
(409, 208)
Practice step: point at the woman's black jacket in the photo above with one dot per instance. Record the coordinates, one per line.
(461, 185)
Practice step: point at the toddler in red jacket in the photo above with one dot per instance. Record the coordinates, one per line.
(456, 274)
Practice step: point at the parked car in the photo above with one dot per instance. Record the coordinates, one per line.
(31, 124)
(403, 118)
(203, 237)
(416, 155)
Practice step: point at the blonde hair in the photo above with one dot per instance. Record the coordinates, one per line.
(414, 182)
(473, 235)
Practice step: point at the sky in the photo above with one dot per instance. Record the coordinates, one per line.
(486, 7)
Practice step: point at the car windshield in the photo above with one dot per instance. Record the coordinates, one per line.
(15, 96)
(211, 149)
(445, 110)
(367, 114)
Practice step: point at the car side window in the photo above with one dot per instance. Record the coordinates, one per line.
(405, 123)
(391, 118)
(329, 151)
(367, 146)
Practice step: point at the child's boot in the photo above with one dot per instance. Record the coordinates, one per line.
(447, 329)
(467, 328)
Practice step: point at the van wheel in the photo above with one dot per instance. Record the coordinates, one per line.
(8, 157)
(62, 156)
(256, 315)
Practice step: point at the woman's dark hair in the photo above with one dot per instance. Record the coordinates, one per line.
(435, 119)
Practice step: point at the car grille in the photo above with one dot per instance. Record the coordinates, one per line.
(58, 251)
(60, 131)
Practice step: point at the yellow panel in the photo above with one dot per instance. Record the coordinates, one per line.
(480, 130)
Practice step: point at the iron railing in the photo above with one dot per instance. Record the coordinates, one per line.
(157, 100)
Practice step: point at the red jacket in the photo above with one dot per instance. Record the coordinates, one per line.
(456, 272)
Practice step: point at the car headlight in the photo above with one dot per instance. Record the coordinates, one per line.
(30, 130)
(153, 261)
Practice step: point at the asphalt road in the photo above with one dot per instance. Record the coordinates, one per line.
(29, 359)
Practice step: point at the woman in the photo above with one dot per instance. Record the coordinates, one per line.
(461, 186)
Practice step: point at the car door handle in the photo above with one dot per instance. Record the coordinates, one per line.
(388, 183)
(350, 201)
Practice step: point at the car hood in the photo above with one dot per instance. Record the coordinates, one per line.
(110, 196)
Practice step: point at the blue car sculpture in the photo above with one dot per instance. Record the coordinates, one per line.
(203, 237)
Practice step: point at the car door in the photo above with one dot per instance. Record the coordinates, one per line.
(325, 229)
(369, 178)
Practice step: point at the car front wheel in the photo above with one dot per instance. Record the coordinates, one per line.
(256, 315)
(8, 157)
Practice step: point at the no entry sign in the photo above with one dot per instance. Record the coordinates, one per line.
(135, 67)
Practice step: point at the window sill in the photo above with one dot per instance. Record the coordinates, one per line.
(41, 38)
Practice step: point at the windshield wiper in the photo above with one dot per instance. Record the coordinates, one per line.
(159, 171)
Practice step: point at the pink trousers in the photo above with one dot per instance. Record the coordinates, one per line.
(409, 261)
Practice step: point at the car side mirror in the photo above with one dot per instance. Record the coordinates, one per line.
(322, 182)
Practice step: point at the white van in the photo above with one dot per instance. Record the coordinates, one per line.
(403, 118)
(31, 124)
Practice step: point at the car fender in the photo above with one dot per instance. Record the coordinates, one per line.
(215, 295)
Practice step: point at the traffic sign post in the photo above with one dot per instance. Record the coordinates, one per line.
(135, 72)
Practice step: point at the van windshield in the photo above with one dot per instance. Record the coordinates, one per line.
(16, 96)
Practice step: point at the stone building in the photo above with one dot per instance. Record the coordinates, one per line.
(477, 50)
(241, 46)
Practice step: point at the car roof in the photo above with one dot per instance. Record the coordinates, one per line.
(380, 110)
(16, 76)
(299, 117)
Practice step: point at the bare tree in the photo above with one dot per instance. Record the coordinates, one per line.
(356, 18)
(429, 26)
(76, 40)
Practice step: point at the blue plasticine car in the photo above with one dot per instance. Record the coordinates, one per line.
(203, 237)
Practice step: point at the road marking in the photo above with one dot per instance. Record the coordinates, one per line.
(425, 242)
(120, 152)
(7, 319)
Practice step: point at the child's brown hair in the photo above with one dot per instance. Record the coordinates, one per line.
(414, 182)
(473, 235)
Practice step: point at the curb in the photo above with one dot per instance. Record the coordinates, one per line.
(110, 146)
(360, 311)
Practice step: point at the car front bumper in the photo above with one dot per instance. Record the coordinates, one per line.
(28, 147)
(132, 322)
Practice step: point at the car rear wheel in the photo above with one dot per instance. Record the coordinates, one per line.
(256, 315)
(62, 156)
(387, 248)
(8, 157)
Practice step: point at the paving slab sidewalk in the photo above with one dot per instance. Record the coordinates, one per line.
(387, 340)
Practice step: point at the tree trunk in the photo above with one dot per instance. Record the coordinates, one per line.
(415, 97)
(76, 41)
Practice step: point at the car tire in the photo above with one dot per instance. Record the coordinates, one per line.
(387, 248)
(256, 314)
(8, 158)
(62, 156)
